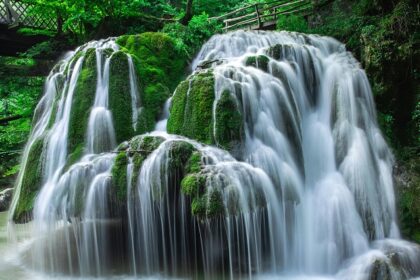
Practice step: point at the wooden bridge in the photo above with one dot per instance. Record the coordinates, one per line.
(263, 16)
(16, 13)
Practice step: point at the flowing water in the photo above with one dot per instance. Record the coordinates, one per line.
(308, 196)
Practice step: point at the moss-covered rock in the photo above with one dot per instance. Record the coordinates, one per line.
(193, 184)
(120, 96)
(157, 53)
(281, 51)
(229, 124)
(192, 108)
(138, 149)
(31, 182)
(160, 67)
(259, 61)
(192, 113)
(83, 99)
(119, 175)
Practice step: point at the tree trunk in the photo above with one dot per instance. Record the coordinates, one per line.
(188, 13)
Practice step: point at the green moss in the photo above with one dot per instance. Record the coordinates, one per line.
(83, 98)
(119, 176)
(180, 152)
(31, 181)
(192, 108)
(229, 124)
(138, 160)
(120, 96)
(280, 51)
(193, 184)
(140, 147)
(208, 206)
(198, 207)
(74, 156)
(260, 62)
(160, 66)
(177, 109)
(153, 98)
(156, 50)
(214, 205)
(145, 143)
(194, 163)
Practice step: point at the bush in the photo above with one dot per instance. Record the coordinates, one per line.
(292, 23)
(191, 37)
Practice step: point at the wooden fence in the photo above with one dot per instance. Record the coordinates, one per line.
(263, 15)
(15, 13)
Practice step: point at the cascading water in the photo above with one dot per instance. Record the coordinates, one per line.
(308, 192)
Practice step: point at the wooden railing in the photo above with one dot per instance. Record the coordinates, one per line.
(262, 15)
(15, 13)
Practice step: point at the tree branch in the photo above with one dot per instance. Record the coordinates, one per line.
(5, 121)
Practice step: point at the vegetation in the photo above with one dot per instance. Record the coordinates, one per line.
(20, 87)
(120, 97)
(192, 108)
(31, 182)
(83, 98)
(160, 65)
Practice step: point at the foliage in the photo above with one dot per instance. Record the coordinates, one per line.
(19, 92)
(409, 198)
(35, 32)
(292, 23)
(191, 37)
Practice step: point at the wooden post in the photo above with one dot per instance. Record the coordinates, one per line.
(12, 15)
(258, 16)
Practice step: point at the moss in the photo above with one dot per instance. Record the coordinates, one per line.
(280, 51)
(214, 205)
(260, 62)
(194, 163)
(145, 143)
(119, 176)
(229, 124)
(156, 51)
(74, 156)
(160, 67)
(83, 99)
(180, 152)
(208, 206)
(177, 109)
(193, 184)
(31, 181)
(198, 207)
(139, 148)
(138, 160)
(153, 98)
(120, 96)
(192, 108)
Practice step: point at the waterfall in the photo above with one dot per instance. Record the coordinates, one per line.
(307, 193)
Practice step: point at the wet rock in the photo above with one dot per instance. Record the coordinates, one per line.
(5, 199)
